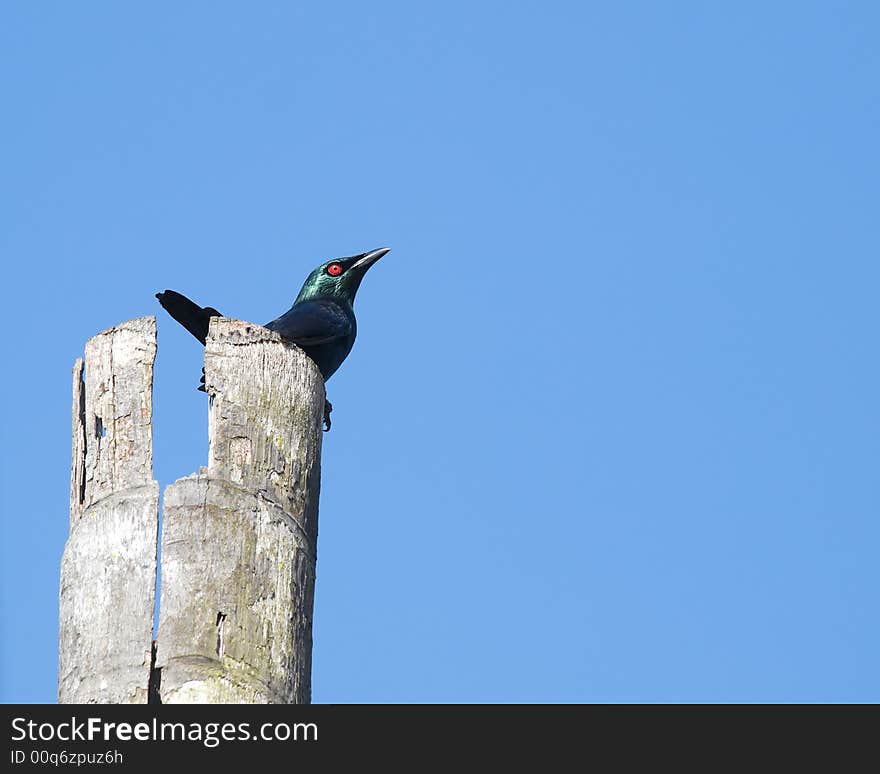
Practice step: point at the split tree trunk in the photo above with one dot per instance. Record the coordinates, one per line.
(238, 543)
(239, 537)
(108, 571)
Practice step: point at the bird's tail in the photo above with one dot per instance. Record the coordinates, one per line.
(190, 315)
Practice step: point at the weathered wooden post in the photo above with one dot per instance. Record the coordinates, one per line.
(108, 571)
(238, 542)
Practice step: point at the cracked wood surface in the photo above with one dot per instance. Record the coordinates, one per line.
(239, 537)
(108, 568)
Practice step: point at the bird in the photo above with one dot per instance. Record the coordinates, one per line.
(321, 321)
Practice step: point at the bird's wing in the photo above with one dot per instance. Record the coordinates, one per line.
(310, 323)
(190, 315)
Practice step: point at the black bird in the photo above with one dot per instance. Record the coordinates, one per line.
(321, 321)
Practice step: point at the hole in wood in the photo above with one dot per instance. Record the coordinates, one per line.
(221, 617)
(81, 430)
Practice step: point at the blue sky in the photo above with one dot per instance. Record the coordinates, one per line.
(610, 431)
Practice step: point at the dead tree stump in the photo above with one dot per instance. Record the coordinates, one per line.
(238, 538)
(108, 571)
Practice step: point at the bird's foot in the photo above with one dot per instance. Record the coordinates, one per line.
(328, 407)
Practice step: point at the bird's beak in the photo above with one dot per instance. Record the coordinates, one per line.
(368, 259)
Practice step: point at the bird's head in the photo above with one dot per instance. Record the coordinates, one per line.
(339, 278)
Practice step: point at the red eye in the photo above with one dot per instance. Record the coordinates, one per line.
(334, 270)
